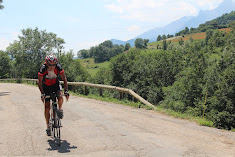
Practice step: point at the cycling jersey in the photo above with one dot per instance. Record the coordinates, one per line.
(50, 77)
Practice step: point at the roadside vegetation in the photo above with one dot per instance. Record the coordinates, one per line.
(92, 67)
(189, 77)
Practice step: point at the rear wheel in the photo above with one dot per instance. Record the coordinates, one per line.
(58, 131)
(56, 128)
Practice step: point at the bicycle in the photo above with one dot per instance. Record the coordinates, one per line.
(55, 122)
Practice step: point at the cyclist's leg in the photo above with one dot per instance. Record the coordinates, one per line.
(47, 91)
(60, 103)
(47, 116)
(59, 92)
(60, 99)
(47, 112)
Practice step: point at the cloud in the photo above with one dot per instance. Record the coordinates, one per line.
(162, 11)
(114, 8)
(15, 35)
(133, 28)
(8, 38)
(87, 44)
(4, 44)
(207, 4)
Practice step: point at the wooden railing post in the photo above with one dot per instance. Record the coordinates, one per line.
(86, 90)
(120, 95)
(101, 92)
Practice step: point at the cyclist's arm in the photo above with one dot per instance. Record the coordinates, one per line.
(40, 78)
(63, 77)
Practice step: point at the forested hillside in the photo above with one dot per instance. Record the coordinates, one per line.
(223, 21)
(183, 76)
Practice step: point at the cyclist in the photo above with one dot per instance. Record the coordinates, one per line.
(48, 82)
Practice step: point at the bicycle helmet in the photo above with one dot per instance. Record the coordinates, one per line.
(51, 58)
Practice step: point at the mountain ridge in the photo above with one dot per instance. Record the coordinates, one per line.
(225, 6)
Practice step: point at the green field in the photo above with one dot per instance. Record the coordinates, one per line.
(195, 36)
(93, 67)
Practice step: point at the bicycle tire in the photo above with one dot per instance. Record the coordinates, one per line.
(58, 131)
(56, 127)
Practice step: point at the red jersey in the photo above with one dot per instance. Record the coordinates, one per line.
(50, 77)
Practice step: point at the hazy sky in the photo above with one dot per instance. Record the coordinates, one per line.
(86, 23)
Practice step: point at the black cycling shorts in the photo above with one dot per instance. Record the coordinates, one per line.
(50, 89)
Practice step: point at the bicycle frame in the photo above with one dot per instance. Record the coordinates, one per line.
(55, 122)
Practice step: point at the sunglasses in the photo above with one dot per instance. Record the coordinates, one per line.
(51, 64)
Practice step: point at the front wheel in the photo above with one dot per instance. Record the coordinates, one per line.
(56, 128)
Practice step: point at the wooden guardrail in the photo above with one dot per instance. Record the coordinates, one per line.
(100, 86)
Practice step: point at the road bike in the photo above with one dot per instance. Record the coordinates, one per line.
(55, 121)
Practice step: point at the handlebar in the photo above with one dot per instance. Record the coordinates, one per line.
(48, 96)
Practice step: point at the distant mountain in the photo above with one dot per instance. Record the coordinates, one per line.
(171, 28)
(119, 42)
(225, 7)
(188, 21)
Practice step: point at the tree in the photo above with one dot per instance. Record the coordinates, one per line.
(65, 59)
(191, 39)
(209, 34)
(164, 44)
(75, 72)
(116, 50)
(139, 43)
(181, 41)
(104, 51)
(215, 24)
(217, 39)
(5, 65)
(101, 54)
(92, 51)
(159, 37)
(127, 47)
(121, 68)
(158, 46)
(30, 50)
(103, 76)
(187, 90)
(168, 36)
(1, 6)
(145, 43)
(221, 89)
(192, 29)
(186, 30)
(83, 53)
(107, 43)
(163, 37)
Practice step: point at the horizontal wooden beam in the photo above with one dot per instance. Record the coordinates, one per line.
(101, 86)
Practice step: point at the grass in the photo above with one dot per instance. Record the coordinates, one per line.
(92, 67)
(113, 100)
(199, 120)
(195, 36)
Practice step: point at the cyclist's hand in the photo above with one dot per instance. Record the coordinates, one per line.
(43, 97)
(66, 93)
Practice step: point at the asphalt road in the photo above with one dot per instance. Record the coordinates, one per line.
(94, 128)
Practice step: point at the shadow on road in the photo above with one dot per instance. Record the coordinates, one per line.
(63, 148)
(4, 93)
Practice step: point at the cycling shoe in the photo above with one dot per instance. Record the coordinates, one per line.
(48, 132)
